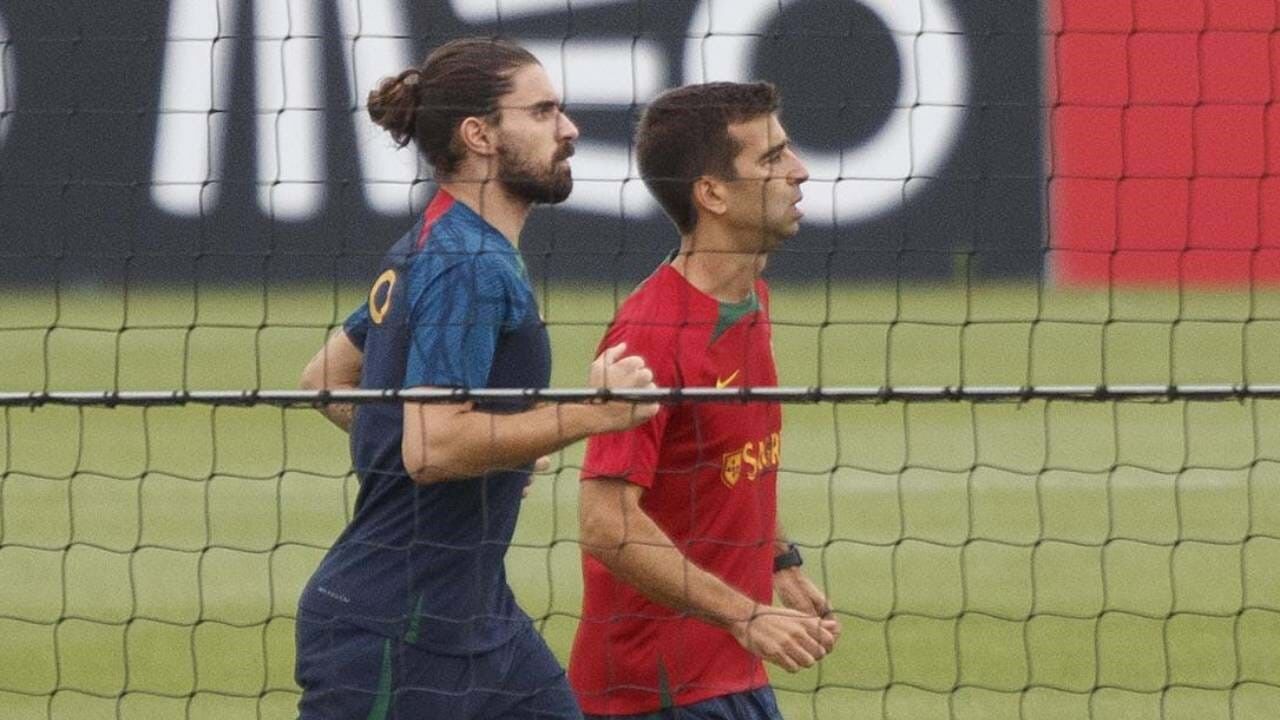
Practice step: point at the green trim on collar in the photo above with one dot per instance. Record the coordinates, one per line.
(731, 313)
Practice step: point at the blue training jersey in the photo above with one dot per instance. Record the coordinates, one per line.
(452, 307)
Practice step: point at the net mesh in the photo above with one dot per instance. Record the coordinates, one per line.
(1050, 553)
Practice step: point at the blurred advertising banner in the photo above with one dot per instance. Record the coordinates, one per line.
(1165, 141)
(218, 140)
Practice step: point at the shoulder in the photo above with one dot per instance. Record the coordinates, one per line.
(458, 250)
(651, 322)
(655, 301)
(652, 309)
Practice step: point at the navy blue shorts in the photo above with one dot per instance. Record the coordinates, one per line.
(759, 704)
(347, 672)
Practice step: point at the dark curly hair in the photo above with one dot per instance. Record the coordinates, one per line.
(684, 135)
(460, 79)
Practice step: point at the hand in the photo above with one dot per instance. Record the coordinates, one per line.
(541, 465)
(798, 592)
(613, 371)
(787, 638)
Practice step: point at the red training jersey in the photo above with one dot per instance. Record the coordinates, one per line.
(710, 476)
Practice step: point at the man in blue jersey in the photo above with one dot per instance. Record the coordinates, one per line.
(410, 615)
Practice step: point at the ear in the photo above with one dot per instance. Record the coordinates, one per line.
(709, 196)
(478, 136)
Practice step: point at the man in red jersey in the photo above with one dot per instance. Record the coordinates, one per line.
(682, 553)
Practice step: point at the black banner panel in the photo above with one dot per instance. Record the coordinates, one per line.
(226, 139)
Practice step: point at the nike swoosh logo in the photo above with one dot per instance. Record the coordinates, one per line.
(721, 384)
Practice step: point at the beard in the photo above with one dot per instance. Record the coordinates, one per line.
(537, 185)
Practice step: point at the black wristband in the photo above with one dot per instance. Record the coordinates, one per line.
(789, 559)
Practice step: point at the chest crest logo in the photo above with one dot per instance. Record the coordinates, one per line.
(380, 296)
(751, 461)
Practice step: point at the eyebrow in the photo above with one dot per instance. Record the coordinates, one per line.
(775, 149)
(545, 105)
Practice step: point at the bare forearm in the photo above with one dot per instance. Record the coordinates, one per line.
(617, 531)
(340, 414)
(336, 366)
(475, 443)
(645, 558)
(452, 441)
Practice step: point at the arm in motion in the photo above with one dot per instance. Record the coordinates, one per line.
(451, 441)
(620, 534)
(336, 366)
(794, 588)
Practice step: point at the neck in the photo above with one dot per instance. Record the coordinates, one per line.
(711, 263)
(490, 200)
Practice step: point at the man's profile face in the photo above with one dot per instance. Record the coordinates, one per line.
(535, 139)
(763, 199)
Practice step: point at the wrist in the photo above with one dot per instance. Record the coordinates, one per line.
(608, 417)
(739, 620)
(788, 558)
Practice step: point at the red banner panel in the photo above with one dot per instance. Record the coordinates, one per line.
(1166, 146)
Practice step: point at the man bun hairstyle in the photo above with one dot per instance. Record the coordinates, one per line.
(684, 135)
(462, 78)
(394, 104)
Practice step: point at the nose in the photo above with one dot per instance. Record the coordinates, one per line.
(799, 173)
(565, 128)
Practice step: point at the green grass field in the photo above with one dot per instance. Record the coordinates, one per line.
(1039, 561)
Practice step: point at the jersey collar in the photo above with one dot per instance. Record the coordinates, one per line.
(442, 203)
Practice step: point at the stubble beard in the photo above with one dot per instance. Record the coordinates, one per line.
(523, 178)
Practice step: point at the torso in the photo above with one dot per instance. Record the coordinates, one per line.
(713, 493)
(425, 563)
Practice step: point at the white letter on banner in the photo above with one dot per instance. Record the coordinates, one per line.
(881, 174)
(289, 58)
(8, 82)
(487, 11)
(288, 101)
(194, 92)
(376, 43)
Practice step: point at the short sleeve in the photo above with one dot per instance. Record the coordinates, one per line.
(634, 455)
(357, 326)
(458, 311)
